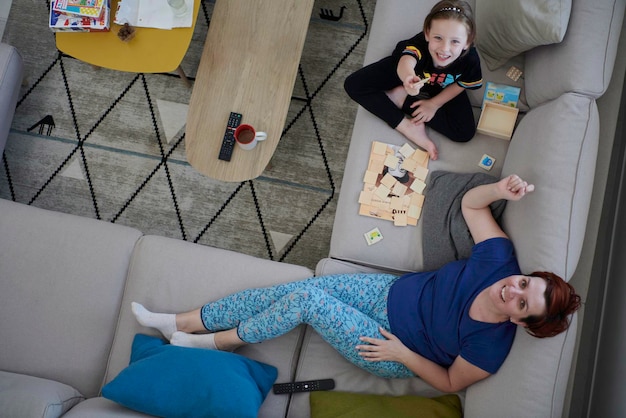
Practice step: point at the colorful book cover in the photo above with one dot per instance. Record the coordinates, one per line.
(394, 183)
(64, 22)
(88, 8)
(502, 94)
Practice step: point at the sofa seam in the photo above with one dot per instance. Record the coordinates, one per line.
(295, 362)
(119, 311)
(62, 403)
(371, 266)
(301, 354)
(572, 205)
(553, 403)
(8, 62)
(606, 47)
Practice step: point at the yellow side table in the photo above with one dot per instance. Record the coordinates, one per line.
(150, 51)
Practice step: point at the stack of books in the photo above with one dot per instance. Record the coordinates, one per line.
(80, 15)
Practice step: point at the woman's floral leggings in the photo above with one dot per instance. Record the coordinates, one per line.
(341, 308)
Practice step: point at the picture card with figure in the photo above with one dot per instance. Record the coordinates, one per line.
(394, 183)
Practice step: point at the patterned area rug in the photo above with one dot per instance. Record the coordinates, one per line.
(110, 145)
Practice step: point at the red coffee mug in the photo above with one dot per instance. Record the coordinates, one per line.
(247, 137)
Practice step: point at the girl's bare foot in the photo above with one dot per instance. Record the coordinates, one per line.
(416, 133)
(397, 96)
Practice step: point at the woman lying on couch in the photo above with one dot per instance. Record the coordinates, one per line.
(451, 327)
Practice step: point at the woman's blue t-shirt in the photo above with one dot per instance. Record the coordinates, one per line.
(429, 311)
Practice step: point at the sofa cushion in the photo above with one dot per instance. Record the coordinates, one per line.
(171, 275)
(583, 62)
(504, 32)
(401, 247)
(356, 405)
(536, 371)
(319, 360)
(170, 381)
(100, 407)
(566, 131)
(62, 282)
(23, 396)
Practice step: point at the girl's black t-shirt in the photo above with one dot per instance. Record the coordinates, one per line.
(464, 71)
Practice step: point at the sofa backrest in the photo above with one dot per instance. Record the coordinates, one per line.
(61, 281)
(170, 275)
(555, 147)
(583, 62)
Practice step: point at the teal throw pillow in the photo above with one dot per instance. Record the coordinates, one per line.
(170, 381)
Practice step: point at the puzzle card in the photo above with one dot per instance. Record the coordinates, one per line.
(394, 184)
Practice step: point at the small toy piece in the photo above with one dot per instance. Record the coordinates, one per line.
(514, 73)
(406, 150)
(418, 186)
(373, 236)
(486, 162)
(392, 161)
(400, 219)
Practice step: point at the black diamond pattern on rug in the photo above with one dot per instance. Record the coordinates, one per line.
(91, 142)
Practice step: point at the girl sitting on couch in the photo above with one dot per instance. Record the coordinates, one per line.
(451, 327)
(426, 77)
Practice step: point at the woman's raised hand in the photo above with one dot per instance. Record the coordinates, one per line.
(513, 187)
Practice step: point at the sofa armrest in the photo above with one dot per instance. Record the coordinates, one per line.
(62, 278)
(11, 73)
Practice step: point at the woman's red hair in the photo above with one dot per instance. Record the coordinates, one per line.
(561, 302)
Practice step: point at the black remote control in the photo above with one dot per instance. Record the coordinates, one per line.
(228, 143)
(305, 386)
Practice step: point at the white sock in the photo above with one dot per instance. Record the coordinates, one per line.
(165, 323)
(182, 339)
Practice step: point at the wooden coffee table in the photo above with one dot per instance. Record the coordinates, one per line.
(249, 65)
(150, 51)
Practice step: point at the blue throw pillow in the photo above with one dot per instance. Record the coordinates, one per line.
(170, 381)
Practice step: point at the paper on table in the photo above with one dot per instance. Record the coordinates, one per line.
(126, 12)
(152, 14)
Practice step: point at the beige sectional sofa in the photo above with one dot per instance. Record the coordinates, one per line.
(66, 287)
(66, 282)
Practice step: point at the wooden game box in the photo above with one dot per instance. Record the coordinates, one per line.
(497, 120)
